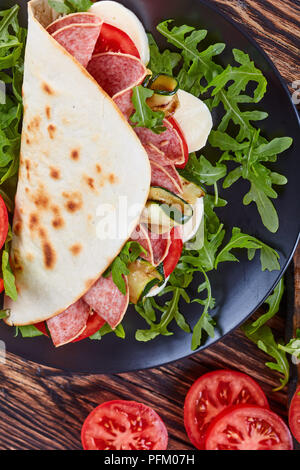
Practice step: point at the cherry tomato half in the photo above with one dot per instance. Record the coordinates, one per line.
(112, 39)
(177, 128)
(214, 392)
(175, 250)
(93, 325)
(294, 415)
(124, 425)
(248, 427)
(3, 222)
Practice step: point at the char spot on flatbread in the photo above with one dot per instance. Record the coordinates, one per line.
(33, 221)
(18, 228)
(98, 168)
(41, 199)
(112, 178)
(58, 222)
(47, 89)
(42, 233)
(76, 249)
(75, 153)
(90, 182)
(74, 201)
(34, 124)
(54, 173)
(49, 255)
(51, 131)
(48, 112)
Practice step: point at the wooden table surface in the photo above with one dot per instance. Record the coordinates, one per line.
(43, 408)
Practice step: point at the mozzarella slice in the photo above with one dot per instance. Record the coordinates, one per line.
(156, 290)
(195, 120)
(119, 16)
(191, 227)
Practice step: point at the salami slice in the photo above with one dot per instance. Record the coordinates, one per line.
(168, 142)
(161, 176)
(116, 72)
(106, 300)
(157, 155)
(69, 324)
(156, 245)
(75, 18)
(124, 102)
(79, 40)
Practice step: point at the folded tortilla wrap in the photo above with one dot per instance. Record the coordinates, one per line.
(79, 156)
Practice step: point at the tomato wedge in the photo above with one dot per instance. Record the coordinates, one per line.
(248, 427)
(294, 415)
(112, 39)
(124, 425)
(175, 250)
(3, 222)
(177, 128)
(211, 394)
(1, 285)
(93, 325)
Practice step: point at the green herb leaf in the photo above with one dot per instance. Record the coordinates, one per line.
(197, 65)
(264, 339)
(106, 329)
(7, 274)
(268, 256)
(274, 302)
(29, 331)
(162, 62)
(293, 346)
(70, 6)
(119, 267)
(144, 116)
(201, 171)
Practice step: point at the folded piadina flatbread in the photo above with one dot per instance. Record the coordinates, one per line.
(78, 152)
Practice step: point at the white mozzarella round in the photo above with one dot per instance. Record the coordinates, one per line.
(191, 227)
(121, 17)
(195, 120)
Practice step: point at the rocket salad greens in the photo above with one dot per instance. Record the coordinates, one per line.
(197, 72)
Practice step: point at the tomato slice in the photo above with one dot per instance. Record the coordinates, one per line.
(248, 427)
(112, 39)
(124, 425)
(1, 285)
(93, 325)
(3, 222)
(211, 394)
(294, 415)
(175, 250)
(177, 128)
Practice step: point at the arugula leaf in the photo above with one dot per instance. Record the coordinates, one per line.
(268, 256)
(119, 267)
(29, 331)
(162, 62)
(205, 322)
(201, 171)
(197, 65)
(106, 329)
(274, 302)
(170, 312)
(70, 6)
(293, 346)
(144, 116)
(264, 339)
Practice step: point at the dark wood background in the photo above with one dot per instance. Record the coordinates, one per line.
(43, 408)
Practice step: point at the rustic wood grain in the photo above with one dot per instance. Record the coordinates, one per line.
(43, 408)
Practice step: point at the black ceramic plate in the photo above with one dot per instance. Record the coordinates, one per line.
(238, 287)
